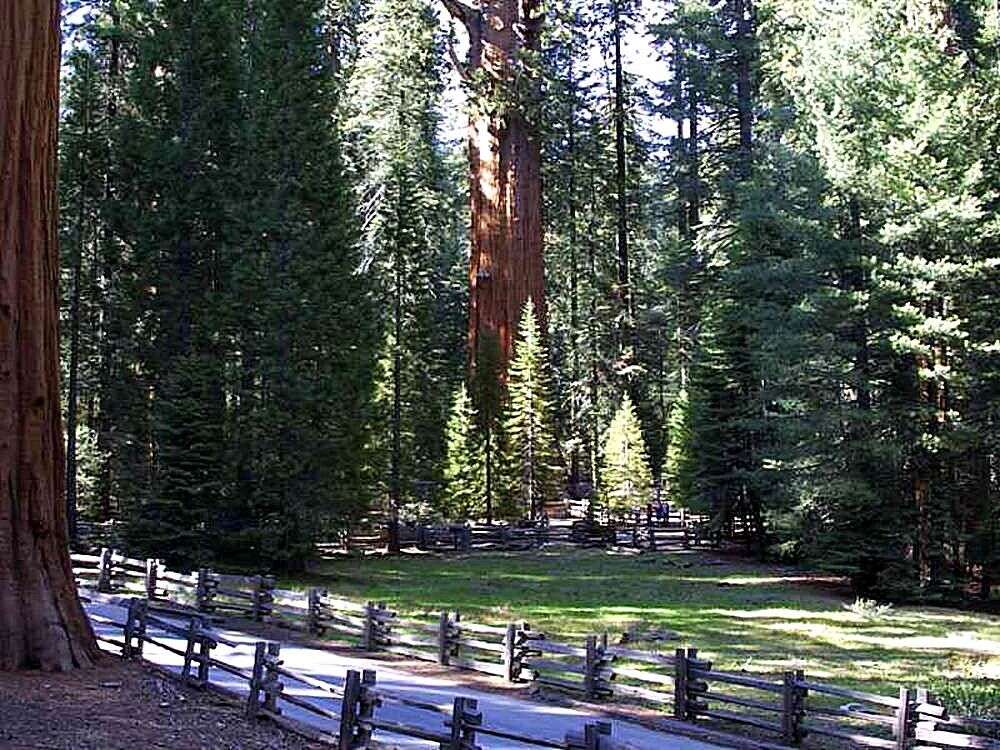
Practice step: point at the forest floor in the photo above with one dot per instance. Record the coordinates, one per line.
(740, 614)
(120, 706)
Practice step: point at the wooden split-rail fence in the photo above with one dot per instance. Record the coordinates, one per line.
(358, 723)
(642, 528)
(680, 684)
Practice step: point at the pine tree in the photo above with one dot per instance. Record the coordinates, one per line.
(626, 479)
(178, 173)
(464, 476)
(83, 133)
(404, 191)
(304, 381)
(533, 466)
(678, 474)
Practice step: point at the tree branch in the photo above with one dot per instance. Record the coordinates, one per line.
(464, 13)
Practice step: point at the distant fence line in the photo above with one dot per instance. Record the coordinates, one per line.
(357, 724)
(683, 685)
(642, 528)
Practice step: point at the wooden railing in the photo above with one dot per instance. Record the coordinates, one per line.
(358, 724)
(641, 528)
(793, 707)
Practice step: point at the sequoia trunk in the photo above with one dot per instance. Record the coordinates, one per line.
(41, 621)
(506, 265)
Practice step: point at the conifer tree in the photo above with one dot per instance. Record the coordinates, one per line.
(533, 465)
(404, 191)
(678, 474)
(464, 476)
(626, 479)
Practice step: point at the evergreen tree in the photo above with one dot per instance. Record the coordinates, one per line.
(404, 191)
(626, 479)
(464, 465)
(678, 475)
(305, 396)
(533, 466)
(179, 144)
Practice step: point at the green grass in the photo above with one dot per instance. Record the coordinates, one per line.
(762, 619)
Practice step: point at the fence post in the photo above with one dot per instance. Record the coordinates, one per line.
(903, 725)
(205, 647)
(104, 571)
(253, 699)
(465, 718)
(263, 596)
(152, 571)
(367, 703)
(680, 685)
(368, 637)
(590, 668)
(142, 609)
(357, 706)
(383, 627)
(592, 737)
(511, 664)
(135, 628)
(127, 630)
(791, 707)
(349, 710)
(258, 583)
(271, 683)
(193, 638)
(592, 734)
(651, 527)
(444, 639)
(315, 605)
(203, 591)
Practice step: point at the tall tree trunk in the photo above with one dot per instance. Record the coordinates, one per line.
(72, 397)
(106, 268)
(621, 188)
(574, 316)
(396, 476)
(745, 54)
(593, 343)
(506, 267)
(41, 621)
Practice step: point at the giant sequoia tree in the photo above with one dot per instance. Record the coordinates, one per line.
(506, 267)
(41, 621)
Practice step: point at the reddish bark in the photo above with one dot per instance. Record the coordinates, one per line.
(41, 621)
(505, 184)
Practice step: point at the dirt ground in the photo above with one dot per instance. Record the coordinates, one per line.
(120, 706)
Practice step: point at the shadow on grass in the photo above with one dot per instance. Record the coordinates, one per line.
(763, 619)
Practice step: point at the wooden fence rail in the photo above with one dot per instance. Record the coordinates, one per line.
(357, 724)
(792, 707)
(642, 528)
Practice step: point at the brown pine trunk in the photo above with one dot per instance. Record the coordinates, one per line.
(41, 622)
(745, 42)
(621, 188)
(506, 265)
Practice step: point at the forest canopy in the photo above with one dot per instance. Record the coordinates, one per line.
(771, 248)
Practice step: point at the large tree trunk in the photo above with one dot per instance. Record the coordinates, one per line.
(505, 172)
(41, 621)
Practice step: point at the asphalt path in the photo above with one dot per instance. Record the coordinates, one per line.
(508, 713)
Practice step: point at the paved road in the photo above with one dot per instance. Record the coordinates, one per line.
(508, 713)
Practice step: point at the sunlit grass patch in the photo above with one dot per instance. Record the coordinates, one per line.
(763, 619)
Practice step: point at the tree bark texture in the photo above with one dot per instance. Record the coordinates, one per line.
(506, 266)
(42, 624)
